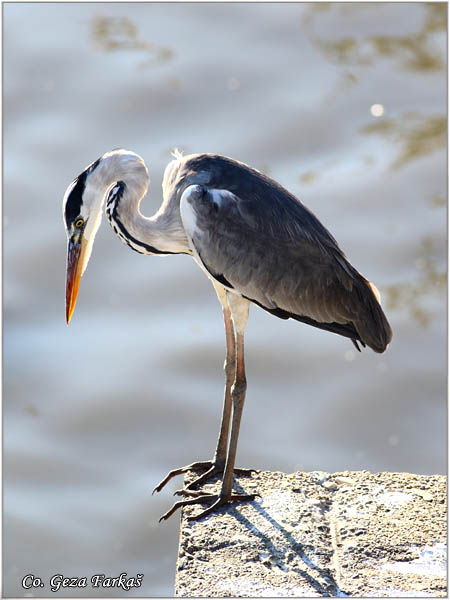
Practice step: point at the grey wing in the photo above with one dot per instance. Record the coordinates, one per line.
(275, 252)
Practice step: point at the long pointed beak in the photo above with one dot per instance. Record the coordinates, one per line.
(76, 249)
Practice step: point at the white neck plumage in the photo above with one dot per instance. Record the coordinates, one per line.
(121, 178)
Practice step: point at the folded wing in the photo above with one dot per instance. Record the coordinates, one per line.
(262, 242)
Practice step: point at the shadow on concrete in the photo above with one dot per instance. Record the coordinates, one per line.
(324, 583)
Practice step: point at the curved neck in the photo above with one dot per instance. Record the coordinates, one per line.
(123, 180)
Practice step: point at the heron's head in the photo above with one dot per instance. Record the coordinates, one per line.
(82, 211)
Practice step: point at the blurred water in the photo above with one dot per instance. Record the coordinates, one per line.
(95, 415)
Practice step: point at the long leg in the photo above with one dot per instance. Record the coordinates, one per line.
(238, 397)
(239, 309)
(217, 464)
(230, 368)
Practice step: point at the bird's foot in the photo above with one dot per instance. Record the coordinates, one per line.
(211, 468)
(200, 499)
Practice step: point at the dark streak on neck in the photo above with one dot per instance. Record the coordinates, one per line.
(114, 198)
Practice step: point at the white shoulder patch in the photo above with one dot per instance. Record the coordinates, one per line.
(189, 219)
(187, 211)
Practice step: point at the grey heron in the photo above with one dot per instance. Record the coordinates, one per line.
(255, 241)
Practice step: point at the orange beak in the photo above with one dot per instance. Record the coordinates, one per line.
(76, 249)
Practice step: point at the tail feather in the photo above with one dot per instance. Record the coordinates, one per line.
(373, 327)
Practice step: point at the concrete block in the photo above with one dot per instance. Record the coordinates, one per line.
(319, 534)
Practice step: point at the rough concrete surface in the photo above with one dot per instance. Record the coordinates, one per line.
(319, 534)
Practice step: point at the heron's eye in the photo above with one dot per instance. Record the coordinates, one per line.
(79, 223)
